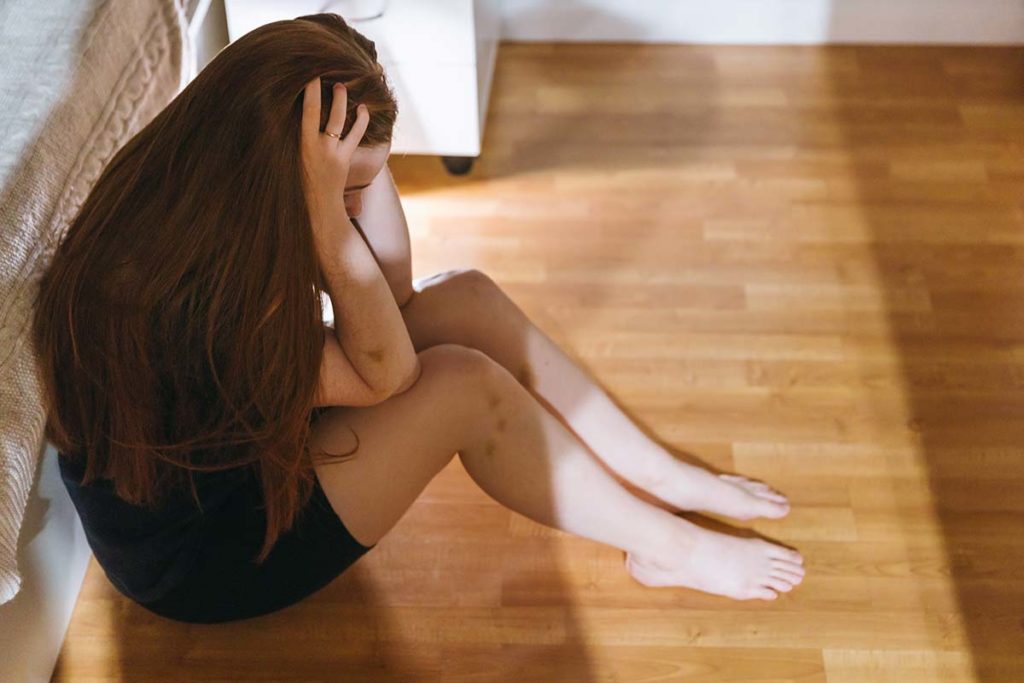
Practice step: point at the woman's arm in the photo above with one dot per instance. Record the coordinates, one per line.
(382, 225)
(368, 324)
(339, 384)
(369, 329)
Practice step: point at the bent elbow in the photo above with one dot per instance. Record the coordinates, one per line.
(409, 378)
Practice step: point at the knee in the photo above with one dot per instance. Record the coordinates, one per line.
(459, 360)
(470, 384)
(464, 365)
(477, 281)
(469, 285)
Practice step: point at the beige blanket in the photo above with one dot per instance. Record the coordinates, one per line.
(78, 78)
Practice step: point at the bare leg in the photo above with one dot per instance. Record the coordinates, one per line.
(525, 459)
(468, 308)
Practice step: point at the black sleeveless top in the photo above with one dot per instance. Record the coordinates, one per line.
(146, 553)
(199, 565)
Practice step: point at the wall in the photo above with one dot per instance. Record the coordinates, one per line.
(996, 22)
(211, 34)
(766, 21)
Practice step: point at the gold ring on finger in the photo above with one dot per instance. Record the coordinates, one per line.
(333, 135)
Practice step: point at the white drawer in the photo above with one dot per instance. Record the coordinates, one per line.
(439, 59)
(438, 110)
(434, 31)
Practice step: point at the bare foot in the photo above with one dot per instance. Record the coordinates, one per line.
(688, 487)
(740, 568)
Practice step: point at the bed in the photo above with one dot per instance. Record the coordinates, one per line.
(78, 79)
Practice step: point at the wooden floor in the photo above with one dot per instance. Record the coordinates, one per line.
(802, 264)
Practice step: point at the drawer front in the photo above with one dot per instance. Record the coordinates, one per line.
(438, 112)
(435, 31)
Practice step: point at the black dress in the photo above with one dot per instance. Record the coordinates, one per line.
(199, 566)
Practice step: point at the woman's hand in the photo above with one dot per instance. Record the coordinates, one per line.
(326, 158)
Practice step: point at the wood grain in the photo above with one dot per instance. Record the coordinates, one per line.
(804, 264)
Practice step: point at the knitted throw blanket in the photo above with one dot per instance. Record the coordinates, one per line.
(79, 79)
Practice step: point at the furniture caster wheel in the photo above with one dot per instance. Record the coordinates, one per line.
(458, 165)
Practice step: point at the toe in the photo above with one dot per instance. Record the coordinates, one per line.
(758, 490)
(788, 564)
(788, 555)
(772, 509)
(775, 496)
(743, 482)
(752, 485)
(763, 593)
(781, 585)
(778, 552)
(787, 573)
(748, 485)
(791, 567)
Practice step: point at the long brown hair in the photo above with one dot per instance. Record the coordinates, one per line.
(179, 324)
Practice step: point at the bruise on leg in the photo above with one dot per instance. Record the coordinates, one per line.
(525, 376)
(489, 447)
(376, 355)
(493, 401)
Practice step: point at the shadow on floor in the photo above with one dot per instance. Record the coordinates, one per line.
(945, 222)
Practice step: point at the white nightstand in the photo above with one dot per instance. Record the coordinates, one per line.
(439, 58)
